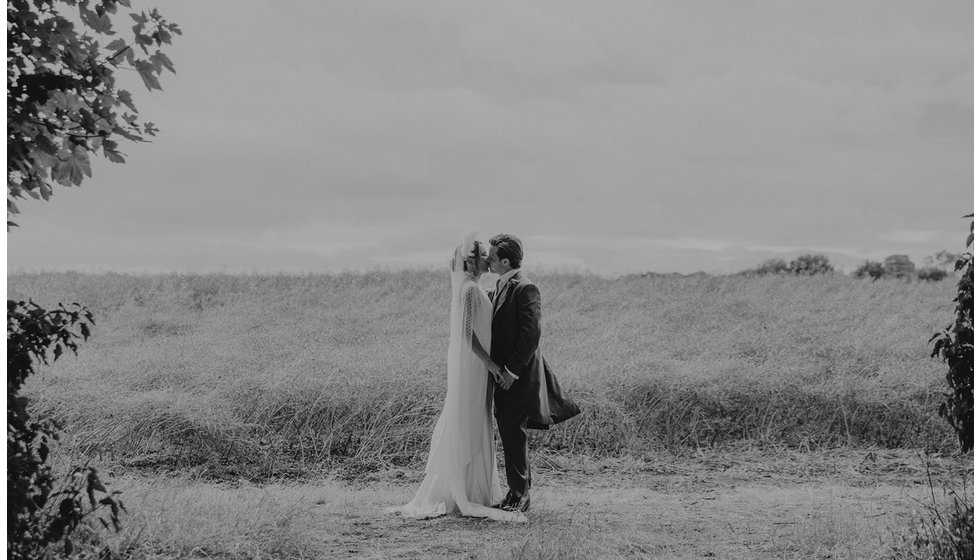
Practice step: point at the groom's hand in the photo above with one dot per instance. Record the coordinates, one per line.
(499, 376)
(505, 378)
(495, 372)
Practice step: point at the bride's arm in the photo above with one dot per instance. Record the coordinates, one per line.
(481, 352)
(484, 356)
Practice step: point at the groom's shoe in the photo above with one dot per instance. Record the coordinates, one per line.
(521, 505)
(507, 503)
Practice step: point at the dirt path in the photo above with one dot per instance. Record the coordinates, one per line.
(850, 504)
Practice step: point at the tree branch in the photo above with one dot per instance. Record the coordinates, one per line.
(113, 57)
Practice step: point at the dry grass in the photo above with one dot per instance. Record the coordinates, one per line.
(835, 527)
(174, 518)
(746, 504)
(279, 376)
(943, 524)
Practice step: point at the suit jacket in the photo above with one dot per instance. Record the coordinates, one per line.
(515, 333)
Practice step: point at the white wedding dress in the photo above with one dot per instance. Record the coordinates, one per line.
(461, 471)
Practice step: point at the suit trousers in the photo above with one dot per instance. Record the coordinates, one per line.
(512, 426)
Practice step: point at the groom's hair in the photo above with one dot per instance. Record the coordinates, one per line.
(508, 247)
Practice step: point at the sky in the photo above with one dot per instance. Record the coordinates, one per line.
(611, 137)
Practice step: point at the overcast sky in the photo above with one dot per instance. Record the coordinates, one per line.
(613, 137)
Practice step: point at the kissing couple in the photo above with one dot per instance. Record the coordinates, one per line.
(494, 360)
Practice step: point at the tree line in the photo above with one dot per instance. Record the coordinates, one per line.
(936, 267)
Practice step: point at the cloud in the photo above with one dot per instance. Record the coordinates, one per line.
(911, 236)
(669, 135)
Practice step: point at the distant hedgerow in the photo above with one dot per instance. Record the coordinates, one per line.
(804, 265)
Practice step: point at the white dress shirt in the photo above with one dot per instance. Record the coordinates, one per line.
(501, 282)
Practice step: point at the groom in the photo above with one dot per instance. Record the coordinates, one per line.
(528, 395)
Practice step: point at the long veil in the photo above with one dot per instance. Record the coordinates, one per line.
(466, 383)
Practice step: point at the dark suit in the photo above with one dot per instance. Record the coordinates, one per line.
(534, 401)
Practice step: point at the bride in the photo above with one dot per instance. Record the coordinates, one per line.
(461, 472)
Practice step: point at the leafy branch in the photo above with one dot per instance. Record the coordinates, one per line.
(38, 516)
(954, 345)
(63, 103)
(62, 106)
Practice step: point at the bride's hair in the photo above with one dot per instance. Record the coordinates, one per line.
(474, 253)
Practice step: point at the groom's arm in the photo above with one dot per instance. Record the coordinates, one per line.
(528, 301)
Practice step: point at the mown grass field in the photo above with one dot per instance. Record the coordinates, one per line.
(265, 379)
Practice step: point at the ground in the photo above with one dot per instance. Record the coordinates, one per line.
(732, 504)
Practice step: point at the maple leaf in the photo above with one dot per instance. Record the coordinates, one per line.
(100, 23)
(117, 45)
(73, 169)
(66, 101)
(118, 48)
(44, 157)
(159, 59)
(146, 72)
(163, 36)
(127, 99)
(112, 155)
(111, 152)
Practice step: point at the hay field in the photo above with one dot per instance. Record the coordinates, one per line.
(265, 391)
(272, 375)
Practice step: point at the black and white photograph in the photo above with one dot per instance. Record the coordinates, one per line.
(670, 279)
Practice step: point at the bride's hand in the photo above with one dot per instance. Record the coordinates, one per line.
(495, 370)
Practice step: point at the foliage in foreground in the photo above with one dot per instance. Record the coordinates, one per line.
(62, 106)
(62, 99)
(943, 530)
(37, 515)
(955, 347)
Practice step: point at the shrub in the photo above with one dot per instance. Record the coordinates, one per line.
(899, 266)
(944, 531)
(943, 260)
(932, 274)
(810, 265)
(870, 269)
(955, 347)
(772, 266)
(37, 517)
